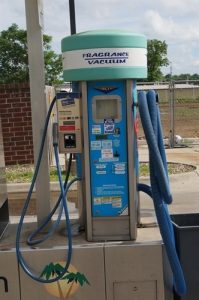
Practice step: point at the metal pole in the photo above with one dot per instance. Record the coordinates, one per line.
(34, 20)
(72, 16)
(172, 113)
(79, 157)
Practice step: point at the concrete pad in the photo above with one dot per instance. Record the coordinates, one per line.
(184, 187)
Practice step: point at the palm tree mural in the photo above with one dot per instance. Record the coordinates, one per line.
(51, 270)
(67, 285)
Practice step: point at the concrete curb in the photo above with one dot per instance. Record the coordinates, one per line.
(174, 176)
(17, 194)
(185, 141)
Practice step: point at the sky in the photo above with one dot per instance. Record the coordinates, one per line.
(175, 21)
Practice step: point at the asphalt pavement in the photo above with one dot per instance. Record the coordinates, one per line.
(184, 186)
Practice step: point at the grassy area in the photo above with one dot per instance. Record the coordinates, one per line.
(173, 168)
(24, 173)
(187, 113)
(182, 112)
(179, 101)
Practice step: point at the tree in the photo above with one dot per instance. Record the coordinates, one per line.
(183, 77)
(14, 57)
(157, 58)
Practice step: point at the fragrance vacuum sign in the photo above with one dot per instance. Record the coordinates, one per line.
(105, 57)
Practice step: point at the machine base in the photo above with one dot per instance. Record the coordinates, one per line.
(115, 270)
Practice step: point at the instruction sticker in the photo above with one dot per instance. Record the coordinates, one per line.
(120, 168)
(68, 101)
(107, 144)
(109, 126)
(101, 172)
(100, 166)
(96, 145)
(97, 200)
(107, 153)
(116, 202)
(112, 159)
(96, 129)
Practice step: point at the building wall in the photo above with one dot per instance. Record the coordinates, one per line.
(15, 113)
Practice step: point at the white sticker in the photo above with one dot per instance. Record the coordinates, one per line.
(96, 129)
(97, 201)
(101, 172)
(120, 172)
(109, 126)
(101, 166)
(106, 200)
(107, 153)
(116, 202)
(107, 144)
(104, 160)
(120, 167)
(96, 145)
(125, 212)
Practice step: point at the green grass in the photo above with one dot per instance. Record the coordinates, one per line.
(173, 168)
(24, 173)
(144, 169)
(185, 112)
(179, 101)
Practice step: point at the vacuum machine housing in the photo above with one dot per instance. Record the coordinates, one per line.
(105, 65)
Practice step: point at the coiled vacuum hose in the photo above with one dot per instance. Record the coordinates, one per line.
(62, 202)
(159, 190)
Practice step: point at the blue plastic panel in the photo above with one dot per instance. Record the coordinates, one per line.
(108, 153)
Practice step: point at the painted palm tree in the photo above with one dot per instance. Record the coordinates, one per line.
(67, 285)
(51, 270)
(73, 278)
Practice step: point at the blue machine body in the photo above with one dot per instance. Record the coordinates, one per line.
(108, 149)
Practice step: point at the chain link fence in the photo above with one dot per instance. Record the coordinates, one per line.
(179, 107)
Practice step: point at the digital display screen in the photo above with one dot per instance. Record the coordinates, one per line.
(68, 122)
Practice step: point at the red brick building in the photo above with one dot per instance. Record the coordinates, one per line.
(15, 113)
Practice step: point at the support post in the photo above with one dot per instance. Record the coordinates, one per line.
(172, 114)
(34, 20)
(72, 16)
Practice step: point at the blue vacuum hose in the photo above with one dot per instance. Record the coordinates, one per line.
(159, 190)
(62, 202)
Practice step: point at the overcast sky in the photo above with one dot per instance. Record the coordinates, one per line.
(175, 21)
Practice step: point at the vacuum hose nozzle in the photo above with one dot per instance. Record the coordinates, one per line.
(55, 134)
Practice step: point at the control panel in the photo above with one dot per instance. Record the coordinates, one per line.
(108, 148)
(69, 122)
